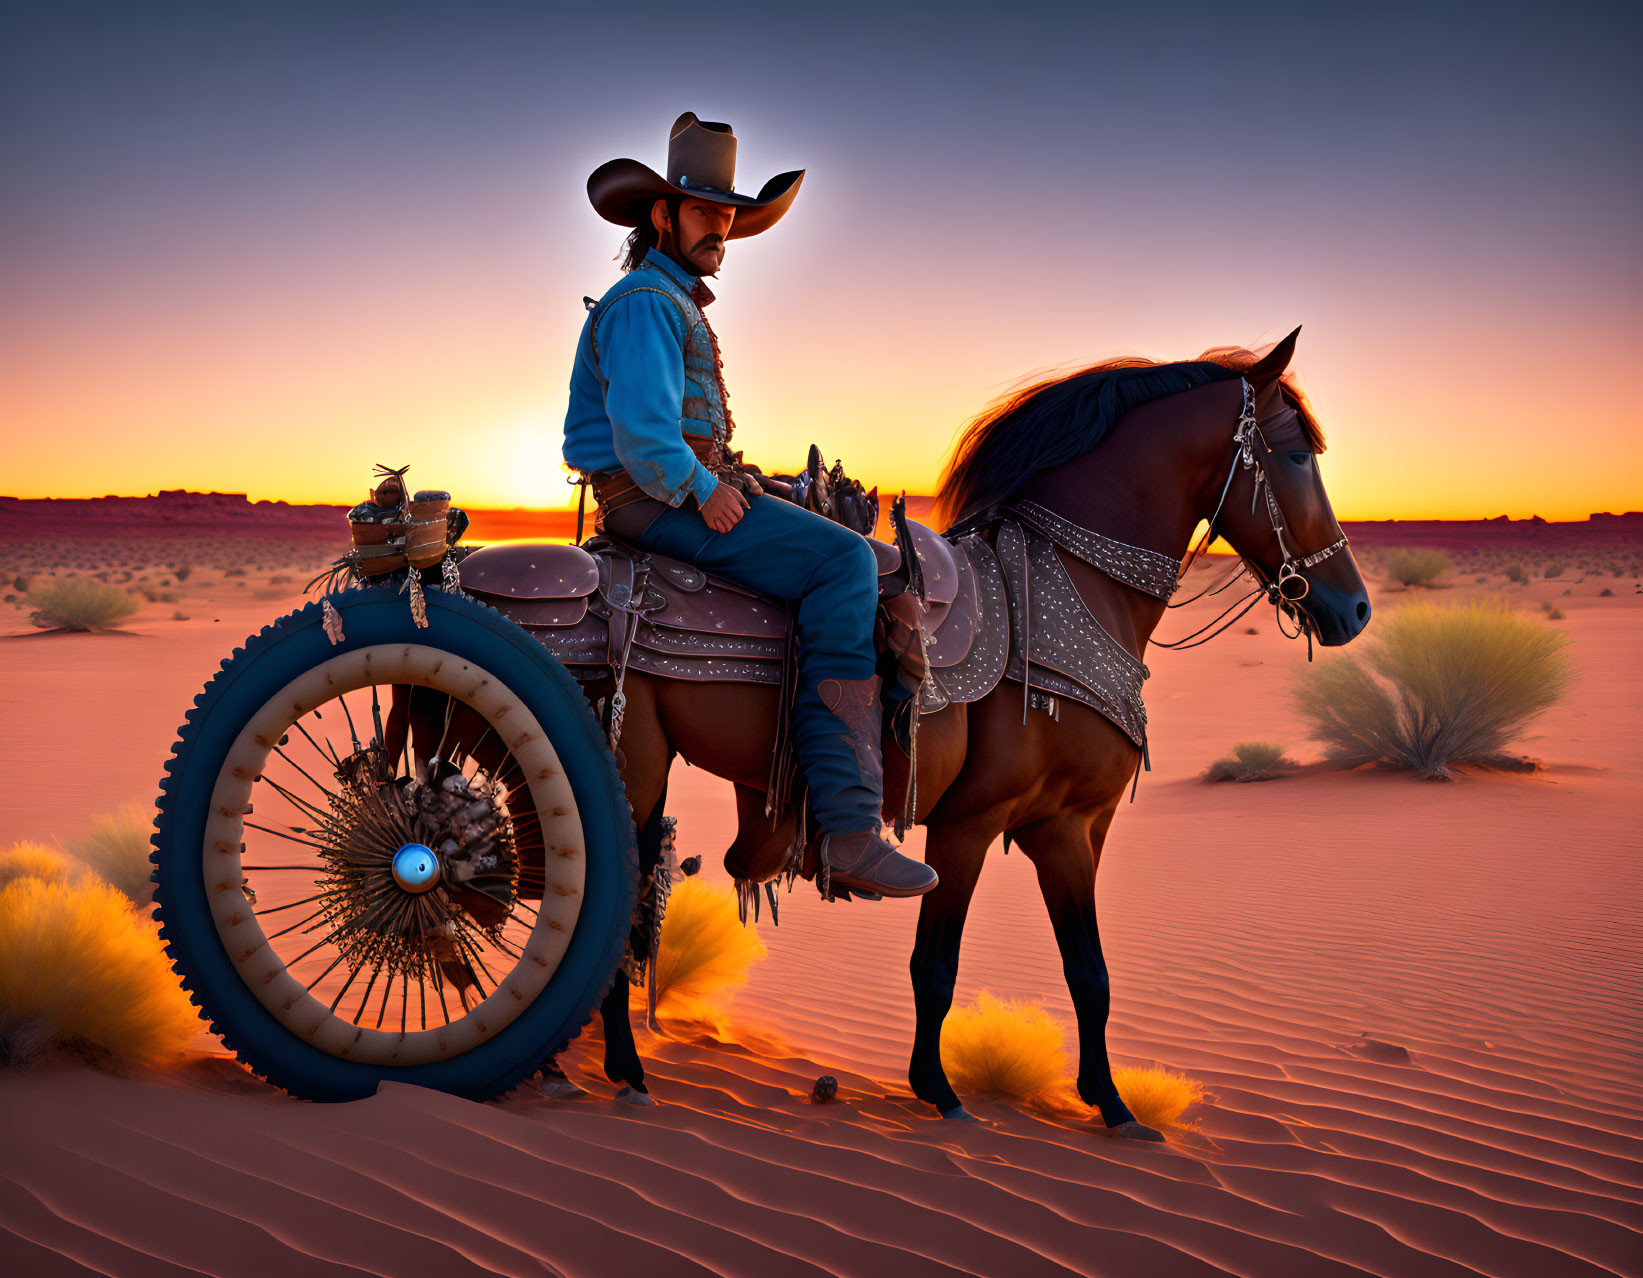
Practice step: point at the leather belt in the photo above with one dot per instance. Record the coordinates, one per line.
(614, 488)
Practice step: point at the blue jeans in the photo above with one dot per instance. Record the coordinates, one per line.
(785, 551)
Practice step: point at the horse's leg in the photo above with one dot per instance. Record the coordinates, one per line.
(1062, 850)
(645, 756)
(622, 1064)
(956, 853)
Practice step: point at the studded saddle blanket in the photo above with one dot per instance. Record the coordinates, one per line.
(992, 607)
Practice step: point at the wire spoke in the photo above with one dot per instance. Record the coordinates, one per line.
(352, 977)
(323, 789)
(450, 709)
(317, 945)
(439, 988)
(302, 805)
(472, 751)
(310, 867)
(307, 900)
(276, 935)
(307, 843)
(387, 989)
(324, 751)
(366, 997)
(353, 734)
(340, 956)
(466, 942)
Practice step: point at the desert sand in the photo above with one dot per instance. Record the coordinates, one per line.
(1417, 1009)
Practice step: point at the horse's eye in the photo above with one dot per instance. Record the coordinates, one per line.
(1300, 459)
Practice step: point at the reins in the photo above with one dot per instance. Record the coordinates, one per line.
(1243, 458)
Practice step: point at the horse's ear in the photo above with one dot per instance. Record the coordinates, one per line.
(1273, 363)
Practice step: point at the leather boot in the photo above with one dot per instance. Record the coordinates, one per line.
(868, 862)
(865, 861)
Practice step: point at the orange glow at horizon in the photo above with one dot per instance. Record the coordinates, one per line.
(276, 380)
(492, 434)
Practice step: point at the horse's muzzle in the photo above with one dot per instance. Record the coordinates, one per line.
(1337, 616)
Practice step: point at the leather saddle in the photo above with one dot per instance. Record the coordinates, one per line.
(590, 604)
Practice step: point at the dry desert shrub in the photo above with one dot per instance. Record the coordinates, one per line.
(1003, 1046)
(1015, 1048)
(1436, 686)
(1157, 1096)
(704, 950)
(1415, 567)
(78, 603)
(1251, 761)
(26, 860)
(116, 848)
(81, 972)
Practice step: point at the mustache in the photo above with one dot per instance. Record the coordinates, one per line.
(708, 241)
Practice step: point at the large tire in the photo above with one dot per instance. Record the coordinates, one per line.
(270, 662)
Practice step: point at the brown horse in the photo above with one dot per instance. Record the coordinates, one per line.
(1051, 784)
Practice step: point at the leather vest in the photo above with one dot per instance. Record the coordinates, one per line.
(704, 411)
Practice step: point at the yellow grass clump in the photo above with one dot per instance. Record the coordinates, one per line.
(116, 848)
(78, 603)
(27, 860)
(1015, 1048)
(705, 951)
(1436, 686)
(1003, 1046)
(81, 972)
(1156, 1096)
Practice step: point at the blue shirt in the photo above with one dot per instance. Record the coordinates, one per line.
(643, 379)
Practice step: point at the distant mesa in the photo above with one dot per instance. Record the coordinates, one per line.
(182, 514)
(173, 512)
(179, 512)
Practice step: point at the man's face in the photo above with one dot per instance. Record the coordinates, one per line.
(699, 239)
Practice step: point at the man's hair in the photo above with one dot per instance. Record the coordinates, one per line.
(644, 237)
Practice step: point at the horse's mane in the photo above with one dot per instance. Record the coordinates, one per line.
(1050, 421)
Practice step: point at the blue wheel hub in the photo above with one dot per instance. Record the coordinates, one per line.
(416, 868)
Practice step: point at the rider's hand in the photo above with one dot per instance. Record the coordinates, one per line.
(723, 508)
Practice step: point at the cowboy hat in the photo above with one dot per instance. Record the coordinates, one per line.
(701, 165)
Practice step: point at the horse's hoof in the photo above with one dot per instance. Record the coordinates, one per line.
(958, 1114)
(632, 1096)
(1133, 1129)
(558, 1087)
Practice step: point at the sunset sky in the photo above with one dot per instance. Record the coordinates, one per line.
(262, 247)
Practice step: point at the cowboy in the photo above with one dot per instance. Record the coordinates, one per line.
(649, 427)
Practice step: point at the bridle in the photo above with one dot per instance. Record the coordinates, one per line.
(1277, 591)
